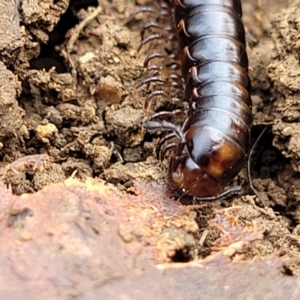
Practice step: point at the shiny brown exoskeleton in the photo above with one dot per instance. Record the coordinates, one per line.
(214, 140)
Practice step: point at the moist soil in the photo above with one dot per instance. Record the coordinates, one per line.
(70, 107)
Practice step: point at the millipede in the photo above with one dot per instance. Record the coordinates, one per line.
(213, 141)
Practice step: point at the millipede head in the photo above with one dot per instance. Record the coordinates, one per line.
(191, 178)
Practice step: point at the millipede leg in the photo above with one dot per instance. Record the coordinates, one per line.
(160, 153)
(147, 9)
(156, 36)
(166, 114)
(166, 149)
(155, 71)
(168, 66)
(161, 80)
(164, 126)
(165, 29)
(160, 55)
(152, 79)
(161, 93)
(235, 190)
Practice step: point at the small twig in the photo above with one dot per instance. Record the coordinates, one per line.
(249, 167)
(35, 161)
(203, 237)
(75, 35)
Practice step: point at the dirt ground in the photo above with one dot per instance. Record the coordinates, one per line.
(70, 107)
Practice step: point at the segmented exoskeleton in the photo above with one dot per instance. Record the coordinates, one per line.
(214, 140)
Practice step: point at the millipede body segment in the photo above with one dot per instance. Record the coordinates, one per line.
(213, 141)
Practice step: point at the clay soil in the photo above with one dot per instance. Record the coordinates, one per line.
(87, 211)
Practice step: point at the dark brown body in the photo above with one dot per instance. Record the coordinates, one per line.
(215, 69)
